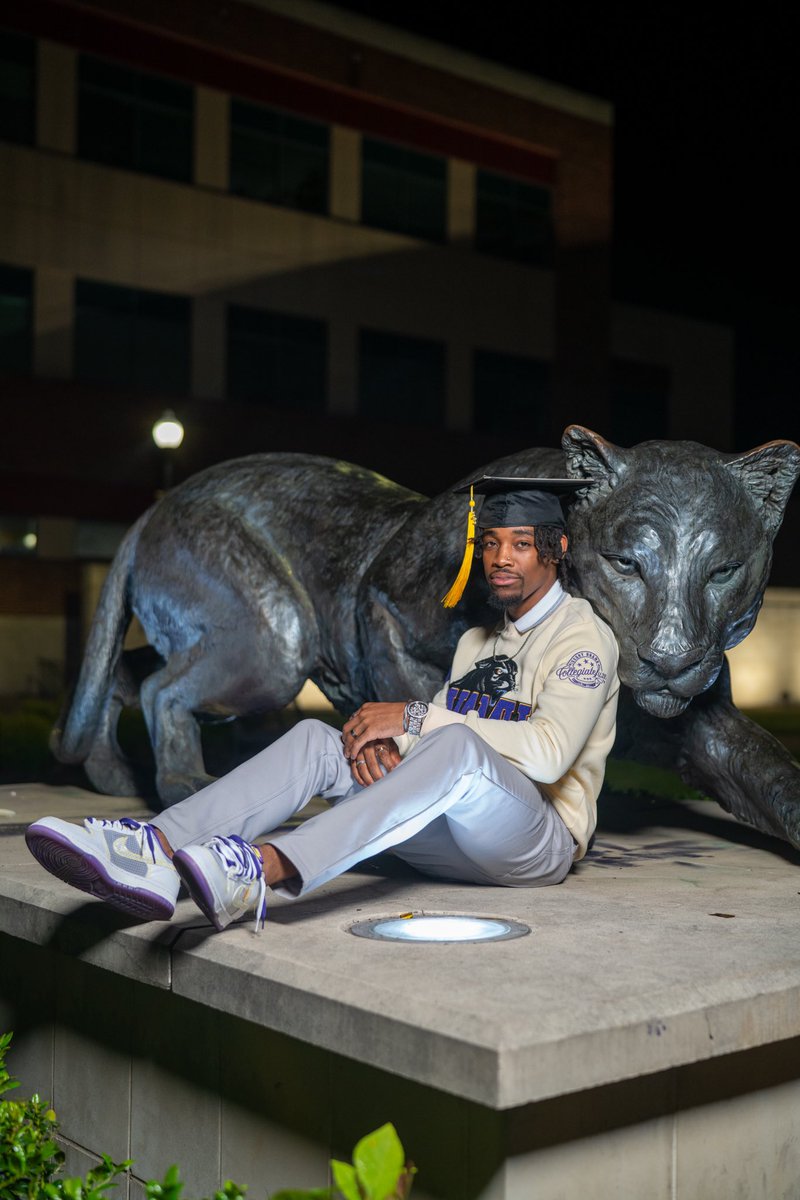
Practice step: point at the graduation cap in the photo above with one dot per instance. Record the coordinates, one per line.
(510, 500)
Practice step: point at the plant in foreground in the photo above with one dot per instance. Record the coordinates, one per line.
(379, 1171)
(30, 1161)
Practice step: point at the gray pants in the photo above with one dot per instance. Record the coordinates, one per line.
(453, 808)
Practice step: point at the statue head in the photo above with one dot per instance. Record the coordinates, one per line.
(672, 544)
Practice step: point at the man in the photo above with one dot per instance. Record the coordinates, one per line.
(494, 782)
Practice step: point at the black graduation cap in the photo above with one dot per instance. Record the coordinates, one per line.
(510, 500)
(520, 500)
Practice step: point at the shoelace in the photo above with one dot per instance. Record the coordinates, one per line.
(242, 859)
(147, 831)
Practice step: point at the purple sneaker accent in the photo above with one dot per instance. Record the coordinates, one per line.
(225, 878)
(120, 862)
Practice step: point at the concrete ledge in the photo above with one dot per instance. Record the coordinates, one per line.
(673, 943)
(644, 1040)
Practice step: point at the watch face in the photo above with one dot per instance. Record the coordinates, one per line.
(417, 708)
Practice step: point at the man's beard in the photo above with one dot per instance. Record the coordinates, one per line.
(503, 603)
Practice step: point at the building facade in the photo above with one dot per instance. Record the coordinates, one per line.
(300, 230)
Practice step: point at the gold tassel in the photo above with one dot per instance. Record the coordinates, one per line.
(457, 590)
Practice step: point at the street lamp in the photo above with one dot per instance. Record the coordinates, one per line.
(167, 435)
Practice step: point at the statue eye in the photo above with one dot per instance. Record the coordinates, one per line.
(623, 566)
(723, 574)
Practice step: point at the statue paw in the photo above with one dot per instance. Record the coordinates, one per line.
(112, 775)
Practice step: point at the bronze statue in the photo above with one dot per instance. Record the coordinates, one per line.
(249, 578)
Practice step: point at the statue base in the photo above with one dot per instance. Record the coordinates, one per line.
(642, 1040)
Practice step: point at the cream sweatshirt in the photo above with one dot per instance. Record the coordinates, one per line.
(545, 697)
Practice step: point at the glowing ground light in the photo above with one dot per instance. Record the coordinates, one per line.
(440, 927)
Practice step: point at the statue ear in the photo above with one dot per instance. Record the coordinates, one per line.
(768, 475)
(590, 456)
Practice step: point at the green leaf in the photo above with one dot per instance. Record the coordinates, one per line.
(230, 1191)
(345, 1179)
(169, 1188)
(379, 1160)
(229, 1188)
(6, 1081)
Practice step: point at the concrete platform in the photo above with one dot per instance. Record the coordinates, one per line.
(643, 1040)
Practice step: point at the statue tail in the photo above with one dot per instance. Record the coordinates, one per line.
(72, 738)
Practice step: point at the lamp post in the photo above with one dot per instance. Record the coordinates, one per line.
(167, 435)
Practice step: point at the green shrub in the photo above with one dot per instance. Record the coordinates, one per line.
(30, 1161)
(28, 1155)
(30, 1158)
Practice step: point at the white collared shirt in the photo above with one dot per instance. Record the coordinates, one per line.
(540, 609)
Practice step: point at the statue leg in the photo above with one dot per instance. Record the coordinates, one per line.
(724, 754)
(228, 677)
(242, 640)
(107, 767)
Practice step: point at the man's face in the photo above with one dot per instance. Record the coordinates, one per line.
(517, 577)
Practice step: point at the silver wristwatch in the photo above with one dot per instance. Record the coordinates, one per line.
(414, 714)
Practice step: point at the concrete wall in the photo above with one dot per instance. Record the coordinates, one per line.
(134, 1071)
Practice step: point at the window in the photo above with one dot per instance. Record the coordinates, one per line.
(639, 401)
(16, 320)
(513, 219)
(130, 338)
(135, 120)
(511, 393)
(400, 378)
(278, 157)
(17, 87)
(403, 190)
(277, 359)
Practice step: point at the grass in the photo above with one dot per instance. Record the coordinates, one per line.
(24, 732)
(628, 778)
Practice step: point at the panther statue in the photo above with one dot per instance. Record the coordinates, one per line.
(259, 573)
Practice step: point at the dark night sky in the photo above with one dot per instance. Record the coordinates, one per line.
(705, 138)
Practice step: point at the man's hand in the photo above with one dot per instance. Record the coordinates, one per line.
(366, 769)
(370, 723)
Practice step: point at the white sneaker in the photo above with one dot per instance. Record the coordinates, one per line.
(225, 878)
(121, 862)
